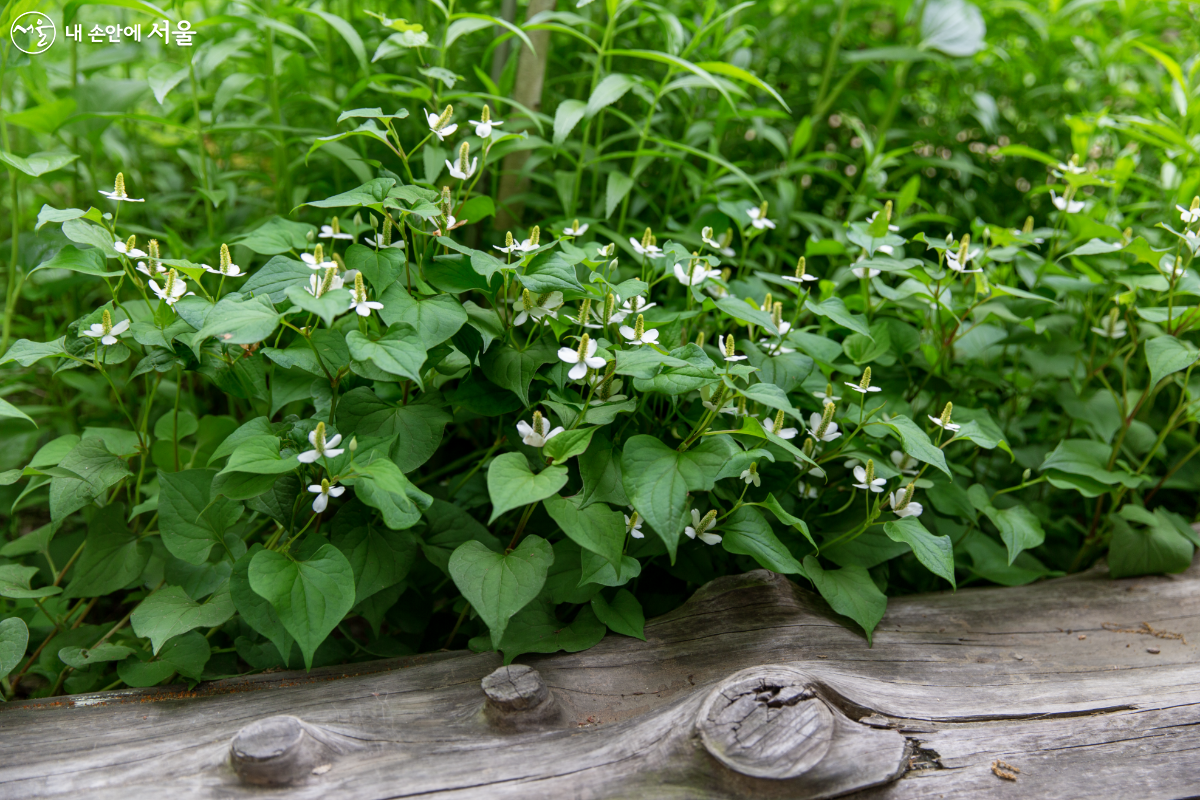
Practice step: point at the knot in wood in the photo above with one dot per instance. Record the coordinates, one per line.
(766, 723)
(278, 751)
(515, 688)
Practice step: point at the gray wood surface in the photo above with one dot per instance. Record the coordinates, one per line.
(1050, 679)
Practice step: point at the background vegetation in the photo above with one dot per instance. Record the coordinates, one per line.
(942, 117)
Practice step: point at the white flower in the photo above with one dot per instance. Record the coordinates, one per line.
(801, 279)
(865, 272)
(904, 462)
(358, 298)
(321, 447)
(324, 491)
(651, 250)
(1188, 215)
(576, 229)
(892, 228)
(631, 335)
(901, 508)
(725, 343)
(830, 433)
(538, 433)
(483, 127)
(806, 491)
(858, 387)
(376, 240)
(314, 263)
(950, 426)
(126, 250)
(860, 475)
(700, 528)
(535, 307)
(517, 247)
(173, 288)
(230, 271)
(634, 525)
(758, 218)
(750, 477)
(953, 263)
(455, 172)
(316, 285)
(118, 193)
(327, 232)
(706, 236)
(778, 348)
(445, 130)
(582, 358)
(105, 330)
(1073, 168)
(451, 224)
(775, 426)
(827, 396)
(1063, 204)
(634, 305)
(716, 290)
(1112, 329)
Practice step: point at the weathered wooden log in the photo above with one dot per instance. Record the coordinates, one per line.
(1063, 689)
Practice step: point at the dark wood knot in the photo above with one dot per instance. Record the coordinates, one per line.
(281, 751)
(766, 723)
(517, 697)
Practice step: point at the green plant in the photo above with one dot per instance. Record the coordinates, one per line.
(304, 396)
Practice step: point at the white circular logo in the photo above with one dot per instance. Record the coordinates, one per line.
(33, 32)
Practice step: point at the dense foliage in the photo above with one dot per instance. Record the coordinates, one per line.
(888, 297)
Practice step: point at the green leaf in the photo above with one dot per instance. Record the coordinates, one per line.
(272, 279)
(14, 583)
(741, 310)
(566, 117)
(236, 321)
(498, 586)
(278, 235)
(379, 557)
(596, 528)
(27, 353)
(1147, 551)
(113, 556)
(191, 519)
(381, 268)
(1019, 528)
(537, 630)
(1167, 355)
(87, 262)
(915, 442)
(259, 455)
(607, 92)
(935, 552)
(384, 487)
(567, 444)
(417, 427)
(37, 164)
(170, 612)
(550, 271)
(836, 310)
(1087, 458)
(514, 369)
(448, 526)
(81, 658)
(618, 186)
(328, 306)
(746, 532)
(399, 351)
(600, 470)
(436, 319)
(850, 592)
(773, 505)
(511, 484)
(256, 610)
(623, 615)
(14, 638)
(9, 411)
(658, 478)
(311, 597)
(97, 469)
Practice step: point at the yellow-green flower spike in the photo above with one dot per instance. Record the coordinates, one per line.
(946, 412)
(444, 118)
(119, 185)
(535, 235)
(583, 346)
(865, 383)
(464, 157)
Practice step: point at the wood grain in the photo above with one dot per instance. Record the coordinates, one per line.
(1041, 677)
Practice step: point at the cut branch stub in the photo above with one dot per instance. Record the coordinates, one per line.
(280, 751)
(517, 697)
(766, 724)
